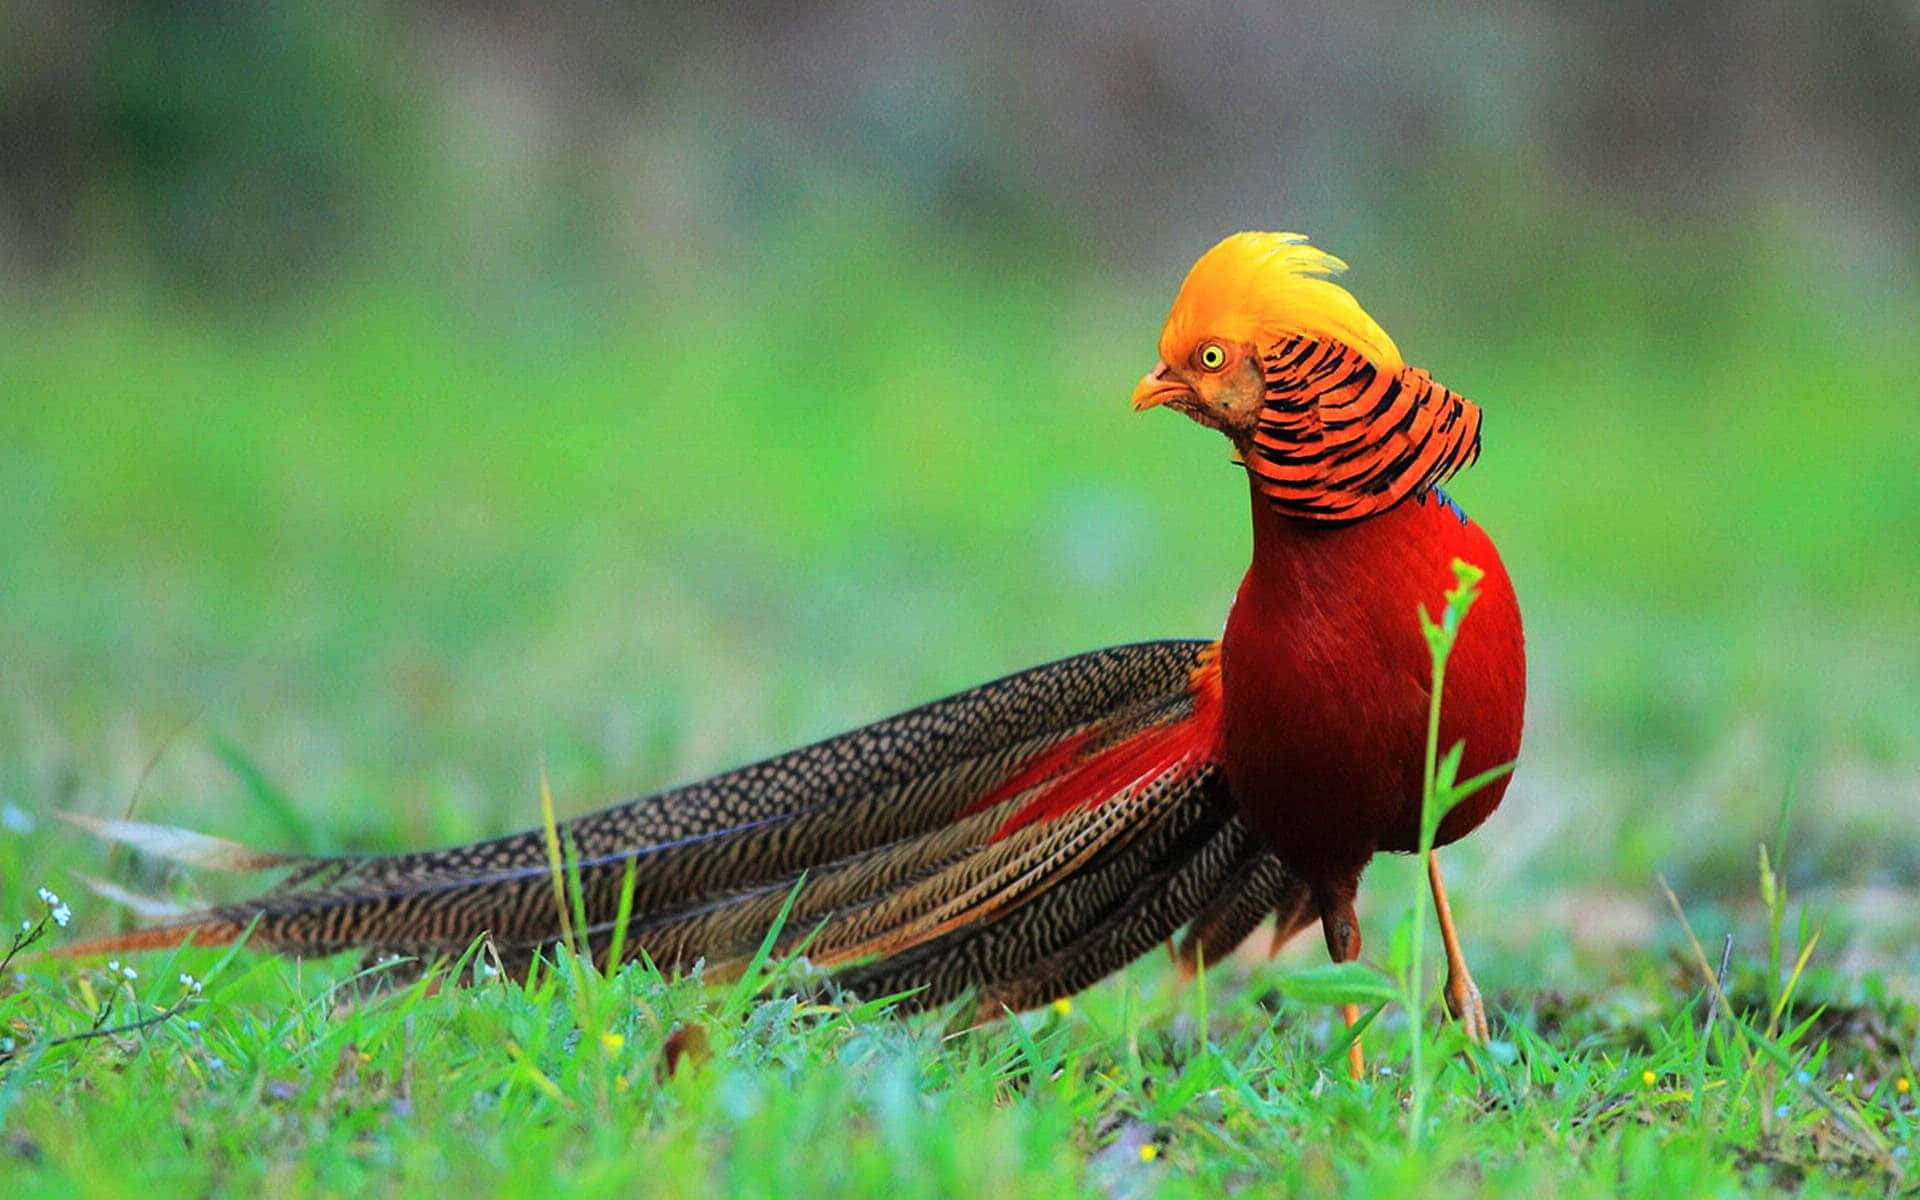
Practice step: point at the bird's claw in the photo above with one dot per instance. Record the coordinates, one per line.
(1464, 1003)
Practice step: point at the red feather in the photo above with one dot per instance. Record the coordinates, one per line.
(1068, 777)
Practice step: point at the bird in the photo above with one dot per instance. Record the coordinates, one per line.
(1017, 842)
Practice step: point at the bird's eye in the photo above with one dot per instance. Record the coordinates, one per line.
(1211, 356)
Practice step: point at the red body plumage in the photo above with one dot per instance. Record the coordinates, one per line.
(1326, 682)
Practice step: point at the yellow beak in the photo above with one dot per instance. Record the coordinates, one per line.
(1157, 387)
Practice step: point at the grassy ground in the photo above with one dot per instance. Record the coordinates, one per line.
(351, 576)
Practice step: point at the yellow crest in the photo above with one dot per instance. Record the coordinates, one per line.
(1262, 287)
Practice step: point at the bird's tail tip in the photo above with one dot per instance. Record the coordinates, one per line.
(158, 937)
(183, 846)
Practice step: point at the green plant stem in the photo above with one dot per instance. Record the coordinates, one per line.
(1440, 638)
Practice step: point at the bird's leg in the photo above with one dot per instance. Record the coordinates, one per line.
(1342, 929)
(1463, 995)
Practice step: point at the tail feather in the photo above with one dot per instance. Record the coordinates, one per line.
(1159, 904)
(732, 924)
(1007, 873)
(1259, 885)
(184, 846)
(932, 761)
(1016, 841)
(1076, 932)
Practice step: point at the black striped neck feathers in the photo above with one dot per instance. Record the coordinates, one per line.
(1338, 439)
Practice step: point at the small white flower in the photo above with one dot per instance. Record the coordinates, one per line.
(6, 1045)
(129, 972)
(26, 926)
(15, 819)
(190, 983)
(61, 915)
(47, 897)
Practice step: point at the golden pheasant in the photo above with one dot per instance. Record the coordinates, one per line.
(1024, 839)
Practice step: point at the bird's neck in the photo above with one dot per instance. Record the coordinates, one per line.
(1312, 561)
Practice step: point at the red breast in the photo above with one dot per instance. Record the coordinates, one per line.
(1326, 676)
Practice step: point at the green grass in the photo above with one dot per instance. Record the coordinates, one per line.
(355, 574)
(293, 1079)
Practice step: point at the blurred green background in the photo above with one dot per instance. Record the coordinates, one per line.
(399, 399)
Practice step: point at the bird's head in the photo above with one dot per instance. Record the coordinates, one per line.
(1263, 346)
(1247, 293)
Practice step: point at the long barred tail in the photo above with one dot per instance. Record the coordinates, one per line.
(1017, 841)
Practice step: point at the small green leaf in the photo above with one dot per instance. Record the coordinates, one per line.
(1338, 983)
(1449, 767)
(1427, 627)
(1461, 791)
(1337, 1047)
